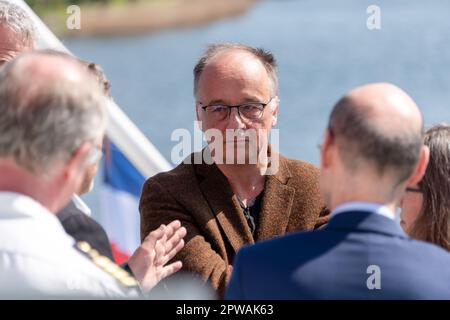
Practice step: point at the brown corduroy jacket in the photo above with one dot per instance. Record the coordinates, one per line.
(200, 196)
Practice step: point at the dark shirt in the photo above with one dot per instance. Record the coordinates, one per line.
(251, 212)
(81, 227)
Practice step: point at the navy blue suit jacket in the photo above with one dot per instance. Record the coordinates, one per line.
(338, 261)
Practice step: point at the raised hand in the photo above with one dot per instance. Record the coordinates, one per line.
(148, 262)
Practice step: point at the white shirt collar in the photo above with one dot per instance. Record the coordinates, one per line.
(81, 205)
(14, 205)
(364, 206)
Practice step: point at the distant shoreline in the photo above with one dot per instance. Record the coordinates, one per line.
(145, 17)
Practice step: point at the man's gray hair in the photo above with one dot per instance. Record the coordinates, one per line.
(43, 123)
(17, 19)
(266, 58)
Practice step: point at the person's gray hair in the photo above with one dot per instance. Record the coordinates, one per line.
(266, 58)
(18, 20)
(42, 124)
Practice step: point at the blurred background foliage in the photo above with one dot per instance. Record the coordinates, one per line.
(44, 6)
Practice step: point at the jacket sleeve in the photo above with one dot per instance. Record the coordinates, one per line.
(323, 218)
(234, 290)
(158, 206)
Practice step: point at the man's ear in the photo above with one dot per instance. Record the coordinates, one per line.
(275, 112)
(421, 166)
(74, 168)
(325, 150)
(198, 110)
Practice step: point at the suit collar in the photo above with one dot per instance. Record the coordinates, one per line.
(365, 221)
(283, 174)
(81, 205)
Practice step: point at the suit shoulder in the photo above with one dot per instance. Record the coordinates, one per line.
(430, 250)
(74, 219)
(302, 169)
(182, 172)
(304, 177)
(68, 212)
(279, 244)
(107, 265)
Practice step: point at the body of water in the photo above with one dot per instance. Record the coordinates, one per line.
(323, 48)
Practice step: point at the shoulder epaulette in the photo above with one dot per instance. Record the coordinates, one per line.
(104, 263)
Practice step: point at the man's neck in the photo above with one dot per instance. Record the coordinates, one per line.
(390, 204)
(17, 180)
(247, 181)
(389, 208)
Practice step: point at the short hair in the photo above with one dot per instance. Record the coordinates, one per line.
(100, 75)
(359, 138)
(95, 69)
(266, 58)
(40, 126)
(433, 222)
(18, 20)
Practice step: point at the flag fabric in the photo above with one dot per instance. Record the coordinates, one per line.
(119, 202)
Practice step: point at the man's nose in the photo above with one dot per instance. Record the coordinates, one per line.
(235, 121)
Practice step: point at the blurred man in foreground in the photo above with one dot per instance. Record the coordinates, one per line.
(17, 34)
(52, 122)
(373, 148)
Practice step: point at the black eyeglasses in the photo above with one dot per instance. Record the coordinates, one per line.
(247, 111)
(417, 190)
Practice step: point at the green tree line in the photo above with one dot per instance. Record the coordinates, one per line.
(49, 4)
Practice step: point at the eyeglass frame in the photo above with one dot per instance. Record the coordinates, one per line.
(94, 155)
(229, 107)
(416, 190)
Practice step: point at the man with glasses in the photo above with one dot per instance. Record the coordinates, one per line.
(238, 190)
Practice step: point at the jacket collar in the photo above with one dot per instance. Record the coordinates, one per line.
(224, 205)
(365, 221)
(19, 206)
(277, 203)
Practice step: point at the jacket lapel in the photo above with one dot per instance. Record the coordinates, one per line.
(224, 206)
(276, 204)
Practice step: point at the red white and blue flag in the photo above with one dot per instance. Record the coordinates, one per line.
(120, 192)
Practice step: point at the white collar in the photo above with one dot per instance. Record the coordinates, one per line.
(364, 206)
(15, 205)
(81, 205)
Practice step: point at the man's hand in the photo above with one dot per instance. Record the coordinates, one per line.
(148, 262)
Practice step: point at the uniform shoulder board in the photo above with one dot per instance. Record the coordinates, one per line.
(104, 263)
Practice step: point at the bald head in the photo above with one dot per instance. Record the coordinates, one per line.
(378, 125)
(387, 105)
(49, 105)
(48, 71)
